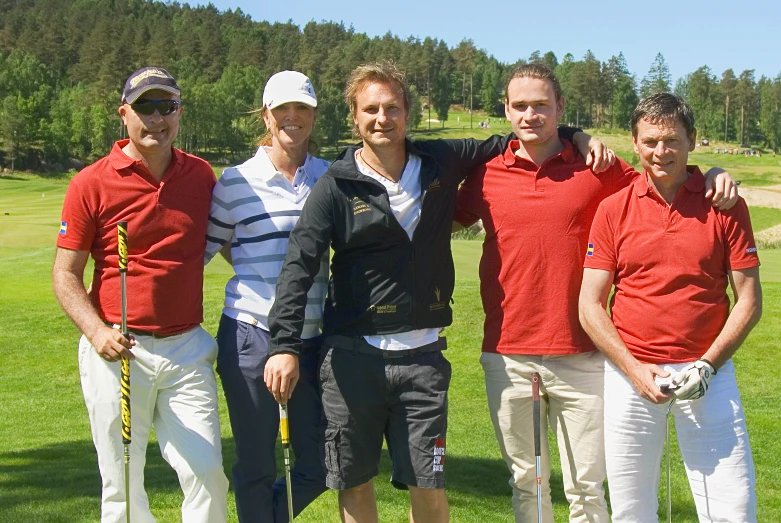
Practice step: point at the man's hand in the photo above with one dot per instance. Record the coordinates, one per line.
(598, 156)
(721, 189)
(693, 380)
(111, 345)
(642, 377)
(281, 376)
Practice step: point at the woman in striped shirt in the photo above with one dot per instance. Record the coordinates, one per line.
(254, 207)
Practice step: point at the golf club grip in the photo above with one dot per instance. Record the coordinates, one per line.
(536, 411)
(124, 366)
(122, 262)
(283, 425)
(124, 398)
(122, 245)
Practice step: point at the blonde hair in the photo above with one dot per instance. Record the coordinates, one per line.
(382, 71)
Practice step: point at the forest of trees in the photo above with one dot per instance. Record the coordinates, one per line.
(63, 64)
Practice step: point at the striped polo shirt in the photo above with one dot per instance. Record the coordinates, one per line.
(255, 207)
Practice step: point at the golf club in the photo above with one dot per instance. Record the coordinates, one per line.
(536, 403)
(124, 367)
(284, 430)
(667, 452)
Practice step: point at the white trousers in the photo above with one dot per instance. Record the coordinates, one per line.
(712, 438)
(172, 386)
(571, 402)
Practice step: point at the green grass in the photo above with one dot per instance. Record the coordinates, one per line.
(751, 171)
(764, 217)
(48, 469)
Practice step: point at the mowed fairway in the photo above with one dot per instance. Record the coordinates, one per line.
(48, 468)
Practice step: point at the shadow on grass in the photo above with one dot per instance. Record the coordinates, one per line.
(46, 481)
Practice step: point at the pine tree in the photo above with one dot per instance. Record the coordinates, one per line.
(658, 79)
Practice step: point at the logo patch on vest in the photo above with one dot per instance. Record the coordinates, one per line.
(437, 305)
(383, 309)
(434, 186)
(359, 206)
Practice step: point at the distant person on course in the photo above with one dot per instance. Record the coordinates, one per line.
(254, 207)
(385, 208)
(671, 256)
(536, 201)
(164, 196)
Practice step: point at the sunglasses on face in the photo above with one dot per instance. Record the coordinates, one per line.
(164, 107)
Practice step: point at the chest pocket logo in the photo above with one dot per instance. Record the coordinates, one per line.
(359, 206)
(434, 186)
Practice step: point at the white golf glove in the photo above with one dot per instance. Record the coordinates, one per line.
(691, 382)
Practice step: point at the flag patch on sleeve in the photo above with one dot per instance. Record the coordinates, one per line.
(63, 228)
(590, 250)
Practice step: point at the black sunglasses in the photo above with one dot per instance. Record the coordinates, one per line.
(164, 107)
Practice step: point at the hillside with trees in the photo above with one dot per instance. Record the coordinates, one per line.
(63, 64)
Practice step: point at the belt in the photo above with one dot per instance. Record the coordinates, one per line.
(140, 332)
(250, 319)
(361, 346)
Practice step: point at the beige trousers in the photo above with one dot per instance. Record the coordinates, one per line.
(571, 403)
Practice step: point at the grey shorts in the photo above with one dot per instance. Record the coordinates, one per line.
(367, 396)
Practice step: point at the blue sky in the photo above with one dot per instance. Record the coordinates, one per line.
(720, 34)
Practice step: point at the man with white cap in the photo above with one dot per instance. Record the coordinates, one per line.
(163, 194)
(254, 207)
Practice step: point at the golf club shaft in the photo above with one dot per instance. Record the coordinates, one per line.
(284, 429)
(667, 452)
(536, 413)
(124, 366)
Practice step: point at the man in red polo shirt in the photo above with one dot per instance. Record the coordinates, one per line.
(537, 201)
(164, 195)
(671, 256)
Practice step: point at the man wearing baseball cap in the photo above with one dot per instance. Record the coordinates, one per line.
(163, 194)
(254, 207)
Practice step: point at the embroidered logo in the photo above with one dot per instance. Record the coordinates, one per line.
(435, 185)
(751, 250)
(383, 309)
(439, 455)
(439, 304)
(359, 206)
(590, 250)
(63, 228)
(147, 74)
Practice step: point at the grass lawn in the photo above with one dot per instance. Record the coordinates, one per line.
(752, 171)
(48, 468)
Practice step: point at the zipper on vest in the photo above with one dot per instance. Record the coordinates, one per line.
(414, 290)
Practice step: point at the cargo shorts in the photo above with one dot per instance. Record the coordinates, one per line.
(370, 394)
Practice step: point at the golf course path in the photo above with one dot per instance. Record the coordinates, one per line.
(769, 196)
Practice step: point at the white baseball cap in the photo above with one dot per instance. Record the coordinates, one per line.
(288, 86)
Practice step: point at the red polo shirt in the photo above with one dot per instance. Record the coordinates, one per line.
(166, 237)
(536, 220)
(671, 265)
